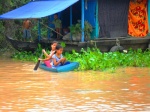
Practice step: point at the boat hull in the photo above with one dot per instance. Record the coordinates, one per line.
(64, 68)
(22, 46)
(104, 44)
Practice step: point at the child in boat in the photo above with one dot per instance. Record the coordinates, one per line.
(58, 59)
(48, 60)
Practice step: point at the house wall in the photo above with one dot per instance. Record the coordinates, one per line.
(91, 15)
(76, 15)
(113, 18)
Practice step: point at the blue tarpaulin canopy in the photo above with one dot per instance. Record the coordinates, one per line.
(38, 9)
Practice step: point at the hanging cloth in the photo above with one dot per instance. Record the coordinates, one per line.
(137, 18)
(113, 18)
(149, 15)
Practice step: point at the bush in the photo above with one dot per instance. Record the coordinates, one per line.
(94, 59)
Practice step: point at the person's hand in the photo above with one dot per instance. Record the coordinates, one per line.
(63, 60)
(43, 50)
(39, 59)
(53, 53)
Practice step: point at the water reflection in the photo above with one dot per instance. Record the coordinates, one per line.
(22, 89)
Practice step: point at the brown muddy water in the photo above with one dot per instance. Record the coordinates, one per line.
(24, 90)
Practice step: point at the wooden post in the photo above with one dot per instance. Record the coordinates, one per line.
(49, 34)
(39, 30)
(70, 20)
(82, 20)
(97, 23)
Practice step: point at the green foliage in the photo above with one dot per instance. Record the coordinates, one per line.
(43, 27)
(94, 59)
(63, 44)
(28, 56)
(7, 26)
(2, 28)
(76, 29)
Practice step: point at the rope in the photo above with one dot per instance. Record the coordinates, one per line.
(51, 29)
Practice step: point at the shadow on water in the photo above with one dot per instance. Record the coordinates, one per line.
(22, 89)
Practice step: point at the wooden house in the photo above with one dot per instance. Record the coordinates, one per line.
(121, 23)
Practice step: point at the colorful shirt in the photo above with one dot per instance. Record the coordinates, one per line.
(51, 52)
(57, 59)
(49, 63)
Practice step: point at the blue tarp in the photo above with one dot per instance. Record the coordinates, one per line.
(38, 9)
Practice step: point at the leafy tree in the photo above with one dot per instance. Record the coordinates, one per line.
(7, 26)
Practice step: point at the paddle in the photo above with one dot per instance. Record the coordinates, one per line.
(38, 63)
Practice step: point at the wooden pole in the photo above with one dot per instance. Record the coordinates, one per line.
(49, 34)
(39, 30)
(97, 23)
(82, 20)
(70, 20)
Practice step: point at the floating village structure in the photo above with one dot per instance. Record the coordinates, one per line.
(116, 24)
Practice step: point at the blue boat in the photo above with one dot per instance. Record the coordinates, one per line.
(64, 68)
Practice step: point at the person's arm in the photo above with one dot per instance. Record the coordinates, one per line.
(30, 24)
(57, 62)
(45, 53)
(63, 60)
(60, 25)
(48, 57)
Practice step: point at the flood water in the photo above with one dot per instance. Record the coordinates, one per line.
(24, 90)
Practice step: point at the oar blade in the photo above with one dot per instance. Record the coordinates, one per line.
(37, 65)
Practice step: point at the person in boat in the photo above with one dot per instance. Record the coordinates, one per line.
(58, 59)
(26, 29)
(58, 25)
(48, 60)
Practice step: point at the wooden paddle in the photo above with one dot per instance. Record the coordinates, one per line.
(38, 63)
